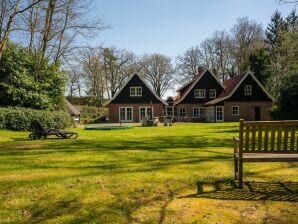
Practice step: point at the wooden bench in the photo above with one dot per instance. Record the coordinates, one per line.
(265, 141)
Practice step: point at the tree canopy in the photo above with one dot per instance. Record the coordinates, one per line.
(19, 86)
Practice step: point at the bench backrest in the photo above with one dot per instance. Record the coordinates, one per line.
(268, 136)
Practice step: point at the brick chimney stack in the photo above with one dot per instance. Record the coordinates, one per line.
(200, 70)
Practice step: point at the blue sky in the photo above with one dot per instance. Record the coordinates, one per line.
(172, 26)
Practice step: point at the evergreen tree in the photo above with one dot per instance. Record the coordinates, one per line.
(287, 103)
(259, 63)
(292, 21)
(277, 23)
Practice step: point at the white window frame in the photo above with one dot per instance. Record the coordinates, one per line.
(247, 90)
(235, 114)
(210, 113)
(133, 91)
(146, 111)
(182, 108)
(202, 93)
(212, 93)
(126, 120)
(172, 111)
(196, 93)
(200, 113)
(217, 110)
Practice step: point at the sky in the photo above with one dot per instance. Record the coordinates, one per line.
(172, 26)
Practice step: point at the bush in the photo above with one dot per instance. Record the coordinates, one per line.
(21, 87)
(287, 104)
(19, 119)
(91, 114)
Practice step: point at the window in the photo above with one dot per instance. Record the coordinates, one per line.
(212, 93)
(235, 110)
(125, 114)
(210, 113)
(247, 90)
(136, 91)
(219, 113)
(182, 112)
(200, 93)
(170, 111)
(198, 112)
(196, 93)
(145, 112)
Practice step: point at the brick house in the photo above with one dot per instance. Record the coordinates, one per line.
(134, 101)
(206, 98)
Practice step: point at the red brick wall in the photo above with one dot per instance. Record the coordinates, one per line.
(114, 110)
(246, 110)
(188, 109)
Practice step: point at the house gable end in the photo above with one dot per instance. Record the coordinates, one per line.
(207, 81)
(258, 91)
(123, 95)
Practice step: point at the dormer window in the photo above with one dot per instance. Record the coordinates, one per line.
(212, 93)
(247, 90)
(136, 91)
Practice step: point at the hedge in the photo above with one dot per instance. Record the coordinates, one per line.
(91, 114)
(19, 119)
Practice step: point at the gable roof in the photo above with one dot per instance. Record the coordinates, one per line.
(231, 85)
(192, 83)
(71, 108)
(128, 80)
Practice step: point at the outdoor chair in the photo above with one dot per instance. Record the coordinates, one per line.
(39, 131)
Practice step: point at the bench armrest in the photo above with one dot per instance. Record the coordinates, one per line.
(236, 144)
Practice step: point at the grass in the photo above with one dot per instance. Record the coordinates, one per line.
(178, 174)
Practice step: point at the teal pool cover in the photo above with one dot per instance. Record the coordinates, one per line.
(108, 127)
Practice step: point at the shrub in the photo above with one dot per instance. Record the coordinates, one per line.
(91, 114)
(287, 104)
(19, 119)
(21, 87)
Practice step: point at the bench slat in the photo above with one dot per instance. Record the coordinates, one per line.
(253, 138)
(260, 138)
(293, 123)
(286, 136)
(278, 146)
(272, 144)
(266, 139)
(292, 139)
(246, 138)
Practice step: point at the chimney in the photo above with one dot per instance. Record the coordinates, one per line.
(200, 70)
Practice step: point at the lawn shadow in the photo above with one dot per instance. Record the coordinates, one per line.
(252, 191)
(147, 143)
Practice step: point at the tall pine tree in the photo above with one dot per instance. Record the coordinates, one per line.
(277, 23)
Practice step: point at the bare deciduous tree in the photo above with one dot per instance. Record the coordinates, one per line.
(188, 63)
(106, 69)
(247, 36)
(159, 72)
(8, 12)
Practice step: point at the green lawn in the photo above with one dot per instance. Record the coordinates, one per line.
(178, 174)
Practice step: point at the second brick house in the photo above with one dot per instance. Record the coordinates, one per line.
(206, 98)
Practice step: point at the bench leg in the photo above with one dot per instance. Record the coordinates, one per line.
(240, 173)
(236, 169)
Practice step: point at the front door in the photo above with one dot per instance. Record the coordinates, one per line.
(125, 114)
(145, 112)
(257, 113)
(219, 114)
